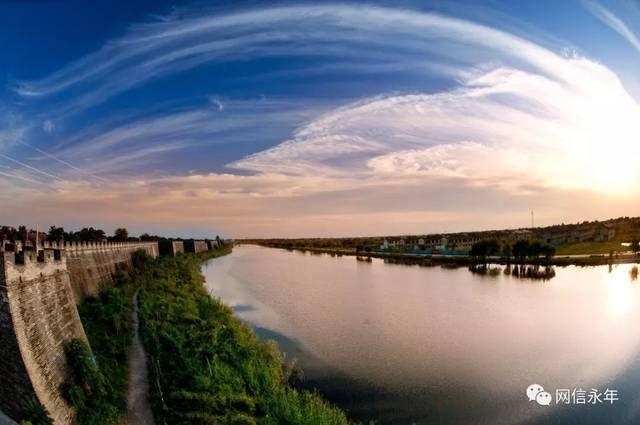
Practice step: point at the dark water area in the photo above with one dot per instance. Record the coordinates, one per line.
(402, 344)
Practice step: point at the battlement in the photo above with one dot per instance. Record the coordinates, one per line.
(96, 246)
(17, 254)
(39, 290)
(74, 246)
(28, 257)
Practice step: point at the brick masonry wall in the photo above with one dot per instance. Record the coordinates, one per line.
(168, 247)
(195, 246)
(93, 265)
(178, 246)
(44, 317)
(15, 385)
(38, 316)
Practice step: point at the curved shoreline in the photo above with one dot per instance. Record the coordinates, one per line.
(465, 260)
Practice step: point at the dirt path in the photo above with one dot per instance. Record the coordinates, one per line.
(138, 407)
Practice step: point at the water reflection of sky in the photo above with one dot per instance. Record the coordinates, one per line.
(442, 344)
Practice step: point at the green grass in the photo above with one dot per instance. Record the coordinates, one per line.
(107, 321)
(590, 248)
(207, 367)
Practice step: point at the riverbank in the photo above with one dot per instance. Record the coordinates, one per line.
(206, 366)
(465, 260)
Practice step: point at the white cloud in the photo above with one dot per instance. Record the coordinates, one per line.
(614, 22)
(48, 126)
(502, 127)
(218, 104)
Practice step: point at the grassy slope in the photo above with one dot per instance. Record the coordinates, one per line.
(590, 248)
(207, 367)
(107, 321)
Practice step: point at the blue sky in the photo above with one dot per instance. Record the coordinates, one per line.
(297, 119)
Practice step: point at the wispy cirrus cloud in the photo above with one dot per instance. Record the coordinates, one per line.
(339, 32)
(123, 146)
(503, 127)
(516, 122)
(614, 22)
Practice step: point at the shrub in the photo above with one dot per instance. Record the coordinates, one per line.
(35, 414)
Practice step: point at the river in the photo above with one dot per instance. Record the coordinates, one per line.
(399, 344)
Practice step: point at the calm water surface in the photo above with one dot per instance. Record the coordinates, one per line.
(397, 344)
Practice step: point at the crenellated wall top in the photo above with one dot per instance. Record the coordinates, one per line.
(17, 254)
(89, 246)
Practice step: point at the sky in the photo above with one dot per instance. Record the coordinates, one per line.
(318, 119)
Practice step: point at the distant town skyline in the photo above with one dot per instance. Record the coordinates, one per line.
(293, 119)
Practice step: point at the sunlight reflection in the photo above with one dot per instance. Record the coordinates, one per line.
(620, 299)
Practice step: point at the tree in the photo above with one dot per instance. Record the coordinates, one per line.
(548, 251)
(120, 235)
(91, 235)
(22, 233)
(535, 249)
(478, 250)
(521, 250)
(484, 249)
(6, 233)
(55, 234)
(635, 245)
(507, 251)
(493, 247)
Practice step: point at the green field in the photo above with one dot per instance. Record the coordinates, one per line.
(590, 248)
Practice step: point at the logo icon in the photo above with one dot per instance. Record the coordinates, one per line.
(536, 392)
(543, 398)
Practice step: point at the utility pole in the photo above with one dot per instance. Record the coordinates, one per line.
(532, 226)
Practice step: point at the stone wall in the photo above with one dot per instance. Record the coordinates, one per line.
(43, 315)
(195, 246)
(172, 248)
(15, 385)
(38, 315)
(94, 264)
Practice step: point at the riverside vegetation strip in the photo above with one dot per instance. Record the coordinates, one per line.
(207, 367)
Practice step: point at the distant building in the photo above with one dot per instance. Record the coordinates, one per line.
(444, 243)
(572, 235)
(393, 244)
(605, 233)
(520, 235)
